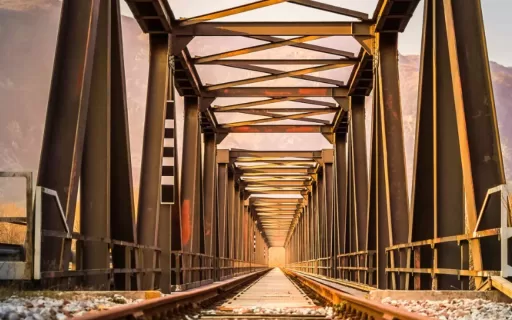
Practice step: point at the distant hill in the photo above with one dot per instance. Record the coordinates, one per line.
(28, 32)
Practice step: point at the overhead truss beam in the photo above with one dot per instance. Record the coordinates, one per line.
(276, 29)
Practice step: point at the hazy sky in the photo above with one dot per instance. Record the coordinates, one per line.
(497, 22)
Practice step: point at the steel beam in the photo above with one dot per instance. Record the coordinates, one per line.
(122, 207)
(262, 62)
(230, 217)
(325, 28)
(95, 175)
(474, 97)
(278, 74)
(275, 118)
(328, 171)
(149, 196)
(373, 194)
(277, 92)
(392, 182)
(169, 217)
(209, 194)
(190, 183)
(307, 46)
(340, 157)
(330, 8)
(270, 101)
(61, 155)
(222, 209)
(277, 129)
(352, 222)
(261, 47)
(229, 12)
(359, 168)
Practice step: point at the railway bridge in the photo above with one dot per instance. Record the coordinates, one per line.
(206, 214)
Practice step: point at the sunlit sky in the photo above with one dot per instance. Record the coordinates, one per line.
(497, 22)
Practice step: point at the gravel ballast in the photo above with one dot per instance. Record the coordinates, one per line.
(456, 309)
(43, 308)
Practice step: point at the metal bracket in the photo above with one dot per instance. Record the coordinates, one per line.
(54, 194)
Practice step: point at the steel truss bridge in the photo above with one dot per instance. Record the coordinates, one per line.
(340, 213)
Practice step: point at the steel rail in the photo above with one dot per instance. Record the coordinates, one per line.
(351, 307)
(167, 306)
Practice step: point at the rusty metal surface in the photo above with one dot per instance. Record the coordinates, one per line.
(166, 306)
(149, 197)
(61, 155)
(350, 305)
(95, 175)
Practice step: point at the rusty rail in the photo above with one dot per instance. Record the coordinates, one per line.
(167, 306)
(351, 307)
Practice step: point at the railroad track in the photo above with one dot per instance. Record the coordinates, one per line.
(262, 291)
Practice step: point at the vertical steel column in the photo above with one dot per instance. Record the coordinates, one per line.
(169, 190)
(316, 239)
(351, 241)
(95, 175)
(393, 149)
(340, 156)
(190, 182)
(209, 194)
(230, 232)
(359, 169)
(328, 160)
(482, 161)
(122, 207)
(166, 215)
(245, 227)
(236, 222)
(311, 209)
(222, 207)
(437, 184)
(373, 195)
(149, 196)
(239, 203)
(321, 216)
(61, 154)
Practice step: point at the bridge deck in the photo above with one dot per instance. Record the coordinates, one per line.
(274, 290)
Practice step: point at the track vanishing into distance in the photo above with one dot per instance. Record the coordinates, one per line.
(270, 294)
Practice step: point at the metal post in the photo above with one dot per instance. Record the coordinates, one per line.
(393, 154)
(61, 155)
(328, 159)
(122, 208)
(149, 196)
(190, 228)
(209, 194)
(222, 207)
(230, 232)
(95, 175)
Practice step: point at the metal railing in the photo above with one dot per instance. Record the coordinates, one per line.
(358, 267)
(188, 270)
